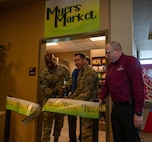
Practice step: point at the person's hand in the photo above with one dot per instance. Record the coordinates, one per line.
(69, 94)
(66, 97)
(138, 121)
(61, 91)
(100, 101)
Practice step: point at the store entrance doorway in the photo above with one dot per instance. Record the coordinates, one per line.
(64, 53)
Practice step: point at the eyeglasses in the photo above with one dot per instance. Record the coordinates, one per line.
(109, 51)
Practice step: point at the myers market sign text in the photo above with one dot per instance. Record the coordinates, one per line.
(61, 15)
(65, 18)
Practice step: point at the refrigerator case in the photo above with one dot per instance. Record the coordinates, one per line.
(147, 77)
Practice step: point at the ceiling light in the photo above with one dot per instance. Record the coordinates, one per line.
(145, 61)
(98, 38)
(51, 43)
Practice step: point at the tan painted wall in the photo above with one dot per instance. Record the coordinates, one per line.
(22, 27)
(121, 24)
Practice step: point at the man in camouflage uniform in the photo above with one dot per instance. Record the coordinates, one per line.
(87, 90)
(52, 83)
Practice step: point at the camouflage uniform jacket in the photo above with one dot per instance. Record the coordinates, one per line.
(87, 85)
(51, 80)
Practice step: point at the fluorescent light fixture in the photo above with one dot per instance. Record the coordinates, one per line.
(51, 43)
(145, 54)
(98, 38)
(146, 61)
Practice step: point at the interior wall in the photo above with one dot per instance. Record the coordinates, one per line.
(104, 13)
(122, 24)
(21, 28)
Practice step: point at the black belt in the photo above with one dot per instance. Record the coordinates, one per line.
(124, 103)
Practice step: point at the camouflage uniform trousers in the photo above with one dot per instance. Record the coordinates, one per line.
(87, 129)
(48, 119)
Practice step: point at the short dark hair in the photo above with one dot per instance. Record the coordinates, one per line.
(49, 57)
(80, 54)
(88, 60)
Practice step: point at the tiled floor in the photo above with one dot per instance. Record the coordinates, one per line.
(64, 134)
(145, 137)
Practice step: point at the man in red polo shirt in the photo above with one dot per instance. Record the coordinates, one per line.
(125, 84)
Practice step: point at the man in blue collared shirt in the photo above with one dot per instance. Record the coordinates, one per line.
(72, 119)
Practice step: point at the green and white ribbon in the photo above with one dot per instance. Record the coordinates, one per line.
(73, 107)
(21, 106)
(59, 105)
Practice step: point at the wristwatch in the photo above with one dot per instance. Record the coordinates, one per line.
(138, 113)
